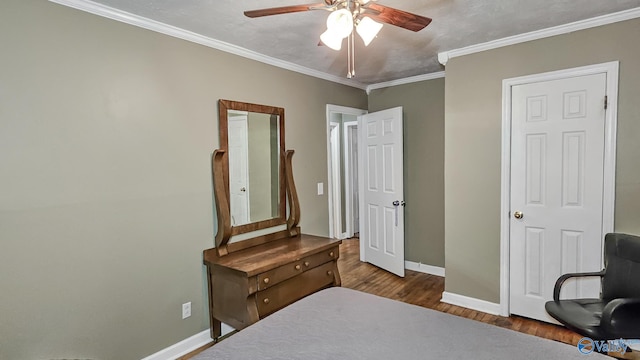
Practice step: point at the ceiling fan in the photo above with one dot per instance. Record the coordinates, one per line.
(365, 16)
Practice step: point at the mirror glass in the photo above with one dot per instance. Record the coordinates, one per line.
(253, 139)
(253, 166)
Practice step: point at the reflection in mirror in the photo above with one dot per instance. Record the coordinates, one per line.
(253, 138)
(254, 162)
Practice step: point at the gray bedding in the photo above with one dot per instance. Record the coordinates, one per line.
(339, 323)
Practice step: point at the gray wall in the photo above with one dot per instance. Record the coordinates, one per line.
(423, 112)
(106, 134)
(473, 143)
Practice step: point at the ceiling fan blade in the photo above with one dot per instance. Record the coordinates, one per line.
(281, 10)
(396, 17)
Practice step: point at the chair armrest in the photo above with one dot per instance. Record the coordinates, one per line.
(565, 277)
(614, 308)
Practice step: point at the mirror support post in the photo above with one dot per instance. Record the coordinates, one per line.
(222, 202)
(292, 196)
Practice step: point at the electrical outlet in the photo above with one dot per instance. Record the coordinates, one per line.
(186, 310)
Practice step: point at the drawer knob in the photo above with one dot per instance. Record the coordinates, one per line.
(306, 263)
(329, 272)
(298, 267)
(266, 280)
(331, 254)
(266, 300)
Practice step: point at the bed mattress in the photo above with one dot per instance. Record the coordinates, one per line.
(340, 323)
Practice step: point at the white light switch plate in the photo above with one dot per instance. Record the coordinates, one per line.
(320, 188)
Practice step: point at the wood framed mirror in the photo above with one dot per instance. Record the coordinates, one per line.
(253, 148)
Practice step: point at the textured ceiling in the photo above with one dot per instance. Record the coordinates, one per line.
(395, 54)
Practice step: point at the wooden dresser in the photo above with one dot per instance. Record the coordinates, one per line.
(272, 264)
(247, 285)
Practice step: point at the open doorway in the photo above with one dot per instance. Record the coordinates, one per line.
(342, 155)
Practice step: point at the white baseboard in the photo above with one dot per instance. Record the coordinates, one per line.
(187, 345)
(424, 268)
(471, 303)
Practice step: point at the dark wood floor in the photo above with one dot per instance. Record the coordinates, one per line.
(426, 290)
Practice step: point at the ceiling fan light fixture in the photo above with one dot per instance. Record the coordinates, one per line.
(340, 22)
(345, 15)
(331, 39)
(368, 28)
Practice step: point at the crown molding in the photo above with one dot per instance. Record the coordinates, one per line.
(443, 57)
(146, 23)
(407, 80)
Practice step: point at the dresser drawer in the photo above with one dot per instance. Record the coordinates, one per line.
(288, 291)
(273, 277)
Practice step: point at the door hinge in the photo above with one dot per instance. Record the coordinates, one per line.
(606, 102)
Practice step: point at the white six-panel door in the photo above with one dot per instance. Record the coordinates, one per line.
(382, 190)
(557, 159)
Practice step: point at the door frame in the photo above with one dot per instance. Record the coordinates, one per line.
(330, 111)
(611, 119)
(348, 127)
(335, 183)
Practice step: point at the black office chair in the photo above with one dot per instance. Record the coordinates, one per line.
(616, 314)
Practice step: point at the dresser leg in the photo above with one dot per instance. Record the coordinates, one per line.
(336, 276)
(216, 328)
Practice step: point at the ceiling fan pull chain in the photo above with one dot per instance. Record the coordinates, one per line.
(351, 61)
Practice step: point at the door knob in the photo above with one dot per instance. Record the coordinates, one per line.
(243, 189)
(518, 215)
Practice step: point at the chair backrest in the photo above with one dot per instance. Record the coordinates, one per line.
(622, 264)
